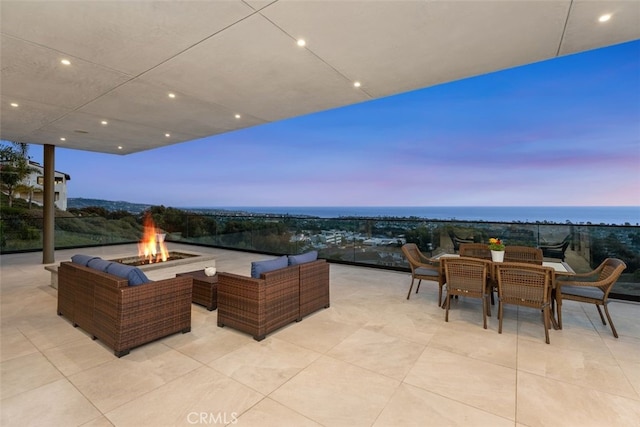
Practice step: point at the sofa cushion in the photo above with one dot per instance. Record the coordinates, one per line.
(134, 275)
(302, 258)
(82, 259)
(99, 264)
(259, 267)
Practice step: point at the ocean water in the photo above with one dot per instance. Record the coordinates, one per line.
(616, 215)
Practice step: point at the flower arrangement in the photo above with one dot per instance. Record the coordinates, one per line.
(496, 244)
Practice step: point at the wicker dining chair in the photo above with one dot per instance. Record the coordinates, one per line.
(526, 285)
(525, 254)
(467, 277)
(475, 250)
(591, 288)
(423, 267)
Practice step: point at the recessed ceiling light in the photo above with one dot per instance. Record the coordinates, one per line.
(104, 122)
(63, 139)
(605, 18)
(237, 116)
(14, 104)
(172, 95)
(301, 42)
(119, 147)
(356, 84)
(65, 62)
(167, 135)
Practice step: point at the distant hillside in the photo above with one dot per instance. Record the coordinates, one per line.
(79, 202)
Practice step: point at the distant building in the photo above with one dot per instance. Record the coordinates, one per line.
(35, 181)
(331, 237)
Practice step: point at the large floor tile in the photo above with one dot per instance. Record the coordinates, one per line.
(590, 370)
(208, 346)
(335, 393)
(146, 368)
(77, 356)
(413, 406)
(548, 402)
(54, 404)
(320, 331)
(385, 354)
(481, 344)
(26, 373)
(266, 365)
(14, 343)
(268, 413)
(201, 397)
(477, 383)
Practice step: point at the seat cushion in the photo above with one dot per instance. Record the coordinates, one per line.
(134, 275)
(302, 258)
(583, 291)
(259, 267)
(83, 260)
(421, 271)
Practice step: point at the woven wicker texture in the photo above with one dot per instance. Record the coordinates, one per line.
(523, 254)
(591, 288)
(205, 289)
(423, 267)
(467, 277)
(525, 285)
(259, 306)
(314, 286)
(122, 316)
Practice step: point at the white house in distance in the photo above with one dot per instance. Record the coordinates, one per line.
(35, 180)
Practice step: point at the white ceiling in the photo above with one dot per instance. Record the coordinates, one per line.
(228, 57)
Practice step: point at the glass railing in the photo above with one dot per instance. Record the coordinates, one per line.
(372, 242)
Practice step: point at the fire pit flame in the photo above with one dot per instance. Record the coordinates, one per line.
(152, 248)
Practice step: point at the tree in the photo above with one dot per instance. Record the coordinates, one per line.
(14, 167)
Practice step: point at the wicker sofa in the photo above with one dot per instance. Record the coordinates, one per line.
(119, 315)
(259, 306)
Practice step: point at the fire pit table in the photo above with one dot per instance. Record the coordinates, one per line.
(205, 289)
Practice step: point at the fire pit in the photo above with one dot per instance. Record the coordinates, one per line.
(173, 258)
(153, 253)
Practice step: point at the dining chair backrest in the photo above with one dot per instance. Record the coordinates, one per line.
(412, 253)
(423, 267)
(467, 277)
(466, 274)
(525, 254)
(475, 250)
(610, 271)
(524, 284)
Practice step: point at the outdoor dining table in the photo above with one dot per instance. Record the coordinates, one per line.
(561, 269)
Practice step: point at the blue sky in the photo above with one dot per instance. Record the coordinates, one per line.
(560, 132)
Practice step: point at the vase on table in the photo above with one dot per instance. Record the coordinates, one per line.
(497, 256)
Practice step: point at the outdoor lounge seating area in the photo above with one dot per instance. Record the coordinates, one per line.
(373, 358)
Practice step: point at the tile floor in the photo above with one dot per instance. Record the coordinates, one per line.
(372, 359)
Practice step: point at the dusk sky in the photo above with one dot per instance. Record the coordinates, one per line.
(564, 132)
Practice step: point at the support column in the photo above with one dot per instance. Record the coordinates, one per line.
(48, 207)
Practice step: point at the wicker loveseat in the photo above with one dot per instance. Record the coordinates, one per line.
(259, 306)
(119, 315)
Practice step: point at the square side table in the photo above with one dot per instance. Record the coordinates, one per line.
(205, 289)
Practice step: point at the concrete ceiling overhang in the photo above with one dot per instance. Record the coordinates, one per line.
(230, 57)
